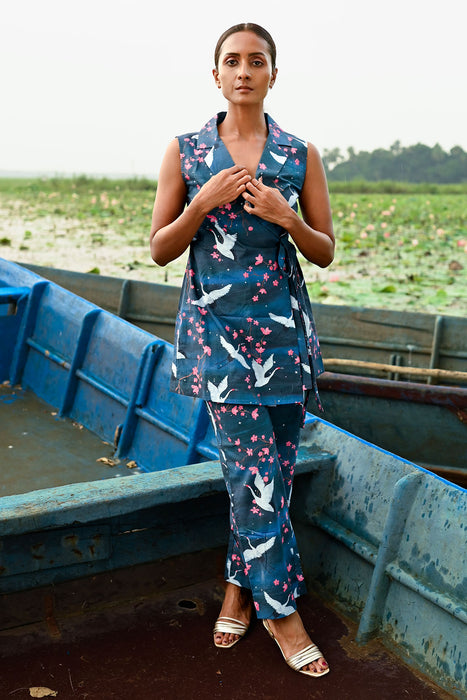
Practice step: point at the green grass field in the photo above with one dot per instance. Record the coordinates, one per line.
(402, 248)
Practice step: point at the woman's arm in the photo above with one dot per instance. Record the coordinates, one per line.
(170, 233)
(313, 234)
(173, 225)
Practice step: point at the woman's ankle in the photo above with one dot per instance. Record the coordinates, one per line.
(238, 598)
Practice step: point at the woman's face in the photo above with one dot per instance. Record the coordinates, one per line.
(245, 72)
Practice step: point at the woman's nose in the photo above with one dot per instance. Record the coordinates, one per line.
(244, 69)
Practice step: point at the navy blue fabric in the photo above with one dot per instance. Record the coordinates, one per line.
(258, 452)
(244, 331)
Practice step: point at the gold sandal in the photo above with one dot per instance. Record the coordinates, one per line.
(229, 625)
(301, 658)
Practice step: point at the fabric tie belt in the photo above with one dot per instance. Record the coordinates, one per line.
(310, 355)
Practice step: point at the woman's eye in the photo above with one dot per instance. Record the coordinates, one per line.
(257, 62)
(231, 61)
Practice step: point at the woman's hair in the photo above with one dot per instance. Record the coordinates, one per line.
(246, 27)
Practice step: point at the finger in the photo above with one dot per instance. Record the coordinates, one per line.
(245, 178)
(251, 186)
(248, 197)
(240, 171)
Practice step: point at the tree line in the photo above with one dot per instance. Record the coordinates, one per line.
(418, 163)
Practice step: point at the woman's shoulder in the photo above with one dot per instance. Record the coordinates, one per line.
(190, 137)
(188, 145)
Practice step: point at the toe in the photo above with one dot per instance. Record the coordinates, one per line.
(320, 666)
(221, 638)
(323, 664)
(225, 638)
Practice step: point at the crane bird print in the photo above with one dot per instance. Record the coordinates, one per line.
(224, 241)
(261, 371)
(265, 492)
(257, 552)
(286, 321)
(279, 607)
(211, 297)
(235, 354)
(217, 391)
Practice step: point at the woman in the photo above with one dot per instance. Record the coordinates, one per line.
(245, 339)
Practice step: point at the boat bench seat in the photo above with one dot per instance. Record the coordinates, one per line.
(88, 502)
(12, 303)
(10, 294)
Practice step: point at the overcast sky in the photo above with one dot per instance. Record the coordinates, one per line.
(101, 86)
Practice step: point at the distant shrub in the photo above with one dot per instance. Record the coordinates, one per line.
(394, 187)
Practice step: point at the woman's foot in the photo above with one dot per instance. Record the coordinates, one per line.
(236, 605)
(293, 638)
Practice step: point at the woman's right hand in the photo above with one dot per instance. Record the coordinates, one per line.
(223, 187)
(174, 224)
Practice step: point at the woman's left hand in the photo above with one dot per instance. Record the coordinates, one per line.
(266, 202)
(311, 231)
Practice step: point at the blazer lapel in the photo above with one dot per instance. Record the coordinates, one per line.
(278, 150)
(212, 154)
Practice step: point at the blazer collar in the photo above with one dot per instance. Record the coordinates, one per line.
(216, 157)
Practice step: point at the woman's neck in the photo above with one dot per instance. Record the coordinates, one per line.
(244, 133)
(244, 124)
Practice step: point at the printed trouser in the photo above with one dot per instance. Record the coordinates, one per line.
(258, 450)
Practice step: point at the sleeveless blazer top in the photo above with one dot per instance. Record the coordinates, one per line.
(244, 331)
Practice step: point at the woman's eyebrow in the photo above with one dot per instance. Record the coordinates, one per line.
(252, 53)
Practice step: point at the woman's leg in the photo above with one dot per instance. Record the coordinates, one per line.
(289, 629)
(287, 421)
(257, 447)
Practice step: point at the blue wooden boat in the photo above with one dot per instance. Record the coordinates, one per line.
(382, 539)
(368, 353)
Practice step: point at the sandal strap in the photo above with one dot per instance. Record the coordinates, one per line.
(304, 657)
(229, 625)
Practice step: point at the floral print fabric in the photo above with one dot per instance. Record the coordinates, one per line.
(258, 449)
(244, 331)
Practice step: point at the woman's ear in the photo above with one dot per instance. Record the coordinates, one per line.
(273, 78)
(215, 73)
